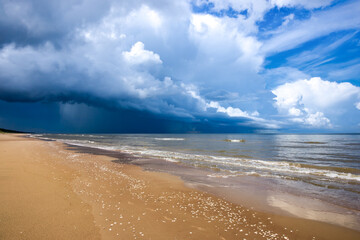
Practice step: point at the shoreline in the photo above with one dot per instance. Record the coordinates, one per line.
(248, 191)
(149, 205)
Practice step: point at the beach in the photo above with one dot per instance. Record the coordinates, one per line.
(48, 191)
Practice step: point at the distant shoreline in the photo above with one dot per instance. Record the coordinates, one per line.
(3, 130)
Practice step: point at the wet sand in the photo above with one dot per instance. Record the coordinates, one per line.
(262, 194)
(50, 192)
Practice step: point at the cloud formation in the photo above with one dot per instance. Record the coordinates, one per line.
(309, 4)
(308, 101)
(188, 60)
(320, 24)
(138, 55)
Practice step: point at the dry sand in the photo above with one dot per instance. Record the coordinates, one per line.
(49, 192)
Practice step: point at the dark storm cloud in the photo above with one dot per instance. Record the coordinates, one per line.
(80, 118)
(47, 74)
(99, 54)
(95, 66)
(27, 22)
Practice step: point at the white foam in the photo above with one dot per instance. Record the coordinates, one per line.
(169, 139)
(241, 166)
(86, 143)
(235, 140)
(246, 166)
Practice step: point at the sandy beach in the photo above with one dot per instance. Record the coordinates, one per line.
(50, 192)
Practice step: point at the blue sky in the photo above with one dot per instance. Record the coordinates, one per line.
(180, 66)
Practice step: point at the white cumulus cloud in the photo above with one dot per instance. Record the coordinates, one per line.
(230, 111)
(308, 101)
(138, 55)
(317, 120)
(314, 92)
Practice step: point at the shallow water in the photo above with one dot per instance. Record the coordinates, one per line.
(325, 167)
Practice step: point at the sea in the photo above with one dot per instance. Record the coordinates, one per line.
(320, 166)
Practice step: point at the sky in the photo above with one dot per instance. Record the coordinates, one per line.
(164, 66)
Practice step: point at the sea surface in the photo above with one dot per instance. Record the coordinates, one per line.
(320, 166)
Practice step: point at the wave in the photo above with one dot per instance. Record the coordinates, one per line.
(87, 143)
(169, 139)
(234, 140)
(238, 165)
(250, 165)
(314, 142)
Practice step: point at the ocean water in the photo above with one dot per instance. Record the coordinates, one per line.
(323, 166)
